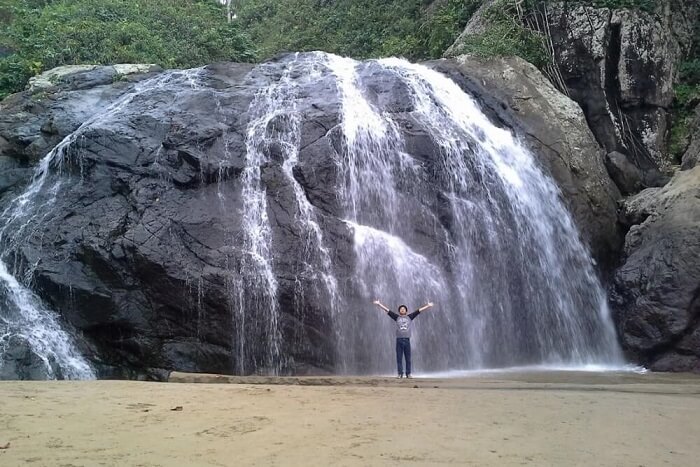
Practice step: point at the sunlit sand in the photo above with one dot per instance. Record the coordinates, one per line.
(505, 418)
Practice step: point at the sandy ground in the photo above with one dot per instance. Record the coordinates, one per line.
(557, 419)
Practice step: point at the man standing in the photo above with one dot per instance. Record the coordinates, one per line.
(403, 334)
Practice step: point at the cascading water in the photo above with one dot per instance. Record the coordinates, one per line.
(433, 202)
(492, 245)
(25, 322)
(513, 282)
(274, 130)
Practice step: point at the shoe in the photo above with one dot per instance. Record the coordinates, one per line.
(400, 376)
(409, 376)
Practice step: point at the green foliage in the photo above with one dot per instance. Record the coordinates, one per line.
(356, 28)
(690, 71)
(506, 35)
(14, 73)
(441, 27)
(687, 97)
(359, 28)
(171, 33)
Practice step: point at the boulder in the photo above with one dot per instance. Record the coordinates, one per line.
(19, 361)
(143, 251)
(57, 103)
(624, 173)
(656, 291)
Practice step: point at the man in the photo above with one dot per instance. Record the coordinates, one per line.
(403, 334)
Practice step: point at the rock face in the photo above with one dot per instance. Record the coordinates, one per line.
(692, 154)
(657, 288)
(555, 128)
(142, 250)
(620, 66)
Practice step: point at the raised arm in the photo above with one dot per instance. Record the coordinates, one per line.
(426, 306)
(380, 305)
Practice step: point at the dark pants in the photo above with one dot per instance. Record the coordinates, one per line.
(403, 349)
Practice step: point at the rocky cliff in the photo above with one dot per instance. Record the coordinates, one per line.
(657, 288)
(141, 251)
(621, 65)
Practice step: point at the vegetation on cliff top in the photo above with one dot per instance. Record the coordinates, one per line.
(687, 98)
(416, 29)
(38, 35)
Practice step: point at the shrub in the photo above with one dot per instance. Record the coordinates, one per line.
(171, 33)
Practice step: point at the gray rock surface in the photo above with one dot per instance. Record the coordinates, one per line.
(139, 252)
(692, 154)
(620, 66)
(624, 173)
(657, 288)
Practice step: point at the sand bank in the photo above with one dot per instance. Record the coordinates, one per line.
(515, 419)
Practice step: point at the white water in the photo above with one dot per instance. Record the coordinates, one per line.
(520, 286)
(497, 251)
(275, 127)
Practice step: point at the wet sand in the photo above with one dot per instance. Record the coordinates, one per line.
(538, 419)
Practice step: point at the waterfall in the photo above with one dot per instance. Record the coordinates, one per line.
(433, 201)
(26, 323)
(513, 281)
(493, 245)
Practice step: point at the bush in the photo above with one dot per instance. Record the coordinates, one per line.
(171, 33)
(14, 73)
(441, 27)
(506, 35)
(356, 28)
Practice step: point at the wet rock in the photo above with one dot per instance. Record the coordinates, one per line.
(19, 362)
(34, 121)
(143, 250)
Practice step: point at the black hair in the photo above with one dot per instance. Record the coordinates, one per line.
(403, 306)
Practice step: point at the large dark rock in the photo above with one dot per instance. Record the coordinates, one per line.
(624, 173)
(34, 122)
(19, 361)
(143, 249)
(657, 288)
